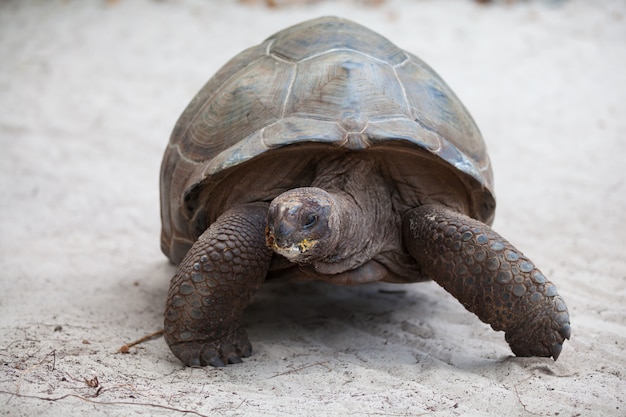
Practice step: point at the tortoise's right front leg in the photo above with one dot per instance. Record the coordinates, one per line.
(213, 285)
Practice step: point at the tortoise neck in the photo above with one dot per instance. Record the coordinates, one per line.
(363, 208)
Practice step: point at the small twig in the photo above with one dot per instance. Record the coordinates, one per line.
(126, 347)
(37, 365)
(54, 358)
(165, 407)
(240, 404)
(519, 398)
(291, 371)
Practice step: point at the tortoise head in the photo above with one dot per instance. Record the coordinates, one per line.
(303, 225)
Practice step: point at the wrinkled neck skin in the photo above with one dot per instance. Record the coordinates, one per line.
(364, 212)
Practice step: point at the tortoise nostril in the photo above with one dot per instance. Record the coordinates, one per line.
(283, 230)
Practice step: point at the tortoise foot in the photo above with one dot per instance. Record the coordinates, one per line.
(544, 334)
(219, 353)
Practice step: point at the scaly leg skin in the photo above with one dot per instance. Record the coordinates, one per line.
(213, 285)
(490, 277)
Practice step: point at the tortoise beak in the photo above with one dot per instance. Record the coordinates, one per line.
(282, 222)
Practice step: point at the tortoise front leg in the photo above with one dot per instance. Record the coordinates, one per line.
(490, 277)
(213, 285)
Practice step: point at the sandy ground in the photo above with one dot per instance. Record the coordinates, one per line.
(89, 92)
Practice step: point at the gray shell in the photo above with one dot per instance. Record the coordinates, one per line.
(323, 85)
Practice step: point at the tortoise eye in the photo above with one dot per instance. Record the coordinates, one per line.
(310, 221)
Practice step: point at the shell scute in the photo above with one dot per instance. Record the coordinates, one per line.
(303, 41)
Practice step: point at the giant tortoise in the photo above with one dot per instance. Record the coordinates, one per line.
(328, 153)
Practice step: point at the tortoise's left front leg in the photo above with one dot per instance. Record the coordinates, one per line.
(490, 277)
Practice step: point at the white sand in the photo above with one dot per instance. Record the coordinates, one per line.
(89, 92)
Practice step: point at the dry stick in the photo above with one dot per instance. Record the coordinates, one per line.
(165, 407)
(291, 371)
(126, 348)
(519, 398)
(53, 353)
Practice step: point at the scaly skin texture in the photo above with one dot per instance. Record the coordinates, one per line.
(490, 277)
(213, 285)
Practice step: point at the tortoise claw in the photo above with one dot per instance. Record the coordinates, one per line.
(216, 363)
(565, 332)
(233, 359)
(194, 363)
(556, 350)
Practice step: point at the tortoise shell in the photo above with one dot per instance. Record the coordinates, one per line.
(319, 88)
